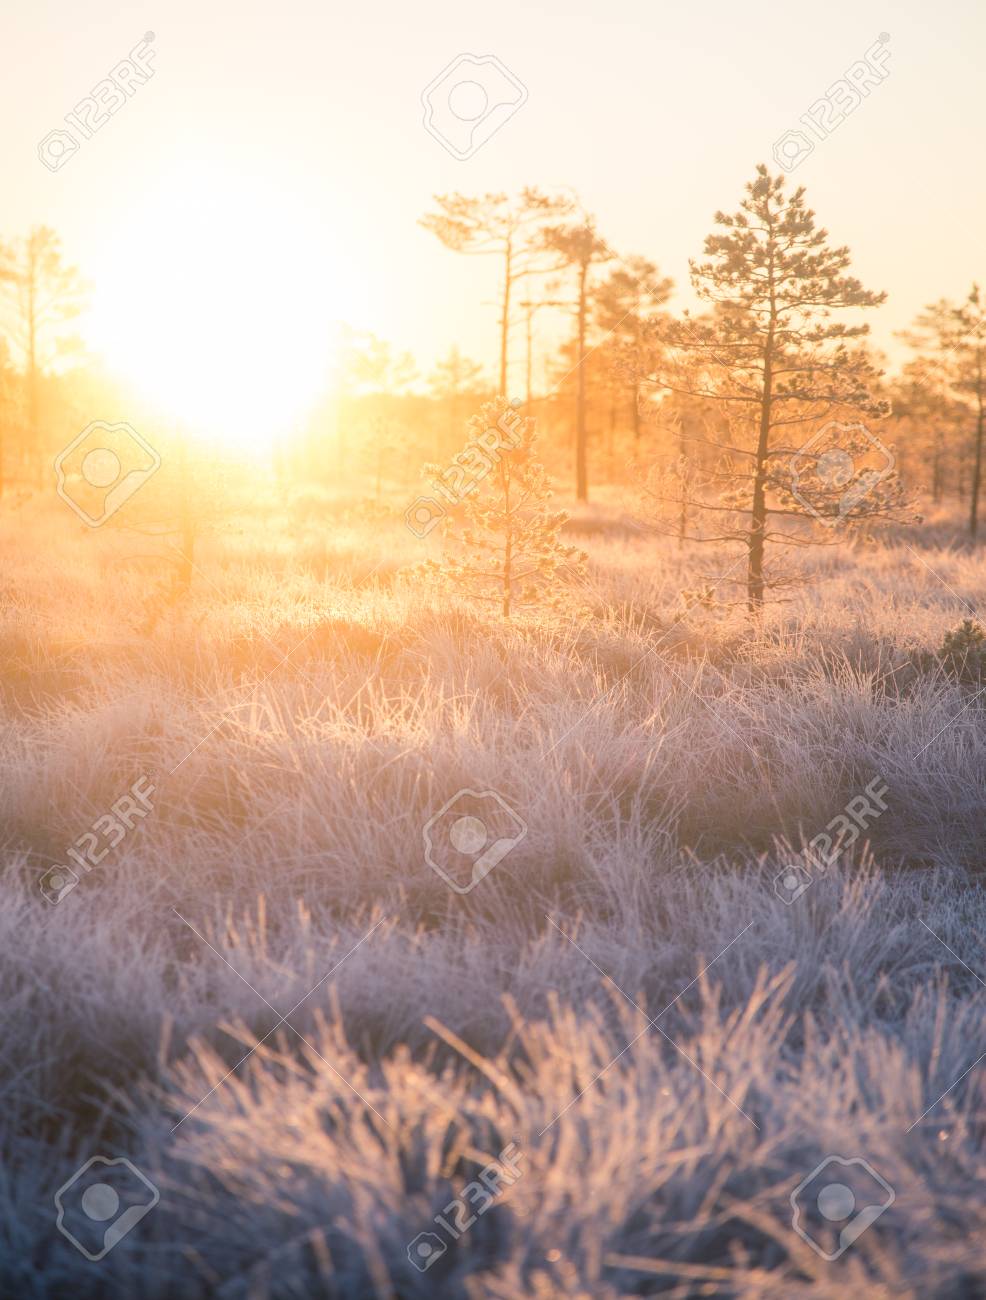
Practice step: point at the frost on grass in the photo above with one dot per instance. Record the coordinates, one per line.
(670, 1044)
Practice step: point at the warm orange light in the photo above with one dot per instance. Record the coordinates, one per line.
(219, 300)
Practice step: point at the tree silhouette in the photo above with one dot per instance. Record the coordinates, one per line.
(10, 405)
(923, 392)
(928, 418)
(626, 301)
(950, 346)
(453, 380)
(495, 225)
(43, 293)
(970, 382)
(579, 247)
(369, 377)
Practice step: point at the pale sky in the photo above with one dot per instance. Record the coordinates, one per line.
(297, 128)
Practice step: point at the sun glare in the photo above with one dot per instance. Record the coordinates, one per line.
(217, 301)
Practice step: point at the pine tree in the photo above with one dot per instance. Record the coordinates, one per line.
(453, 381)
(923, 395)
(785, 375)
(42, 295)
(928, 420)
(630, 297)
(950, 342)
(970, 383)
(506, 546)
(496, 225)
(579, 248)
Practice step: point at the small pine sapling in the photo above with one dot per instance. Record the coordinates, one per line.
(961, 655)
(503, 545)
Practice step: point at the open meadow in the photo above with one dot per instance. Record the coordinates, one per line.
(492, 651)
(267, 999)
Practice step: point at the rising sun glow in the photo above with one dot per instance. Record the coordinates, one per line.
(217, 300)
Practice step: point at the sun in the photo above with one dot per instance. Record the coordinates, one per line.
(219, 301)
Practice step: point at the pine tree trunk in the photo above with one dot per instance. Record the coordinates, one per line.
(758, 510)
(530, 353)
(453, 421)
(581, 466)
(936, 469)
(508, 541)
(33, 432)
(978, 465)
(635, 389)
(505, 318)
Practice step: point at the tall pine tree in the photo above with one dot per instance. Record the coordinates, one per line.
(779, 367)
